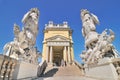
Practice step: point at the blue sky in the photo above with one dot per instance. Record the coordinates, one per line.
(12, 11)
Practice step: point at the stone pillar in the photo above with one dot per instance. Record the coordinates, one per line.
(69, 58)
(65, 56)
(51, 54)
(47, 49)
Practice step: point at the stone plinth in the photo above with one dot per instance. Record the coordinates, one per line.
(25, 70)
(104, 70)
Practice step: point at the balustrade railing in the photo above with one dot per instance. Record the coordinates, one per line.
(7, 66)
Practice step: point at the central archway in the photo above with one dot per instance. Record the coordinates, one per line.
(57, 55)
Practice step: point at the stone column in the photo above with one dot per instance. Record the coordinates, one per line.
(51, 54)
(47, 49)
(65, 57)
(69, 58)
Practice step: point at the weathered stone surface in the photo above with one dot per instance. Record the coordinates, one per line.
(25, 70)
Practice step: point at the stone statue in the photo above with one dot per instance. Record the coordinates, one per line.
(89, 29)
(30, 20)
(22, 48)
(103, 46)
(97, 45)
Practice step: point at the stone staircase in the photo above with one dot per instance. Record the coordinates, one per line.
(70, 72)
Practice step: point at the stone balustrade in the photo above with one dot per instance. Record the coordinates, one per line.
(12, 69)
(7, 66)
(116, 63)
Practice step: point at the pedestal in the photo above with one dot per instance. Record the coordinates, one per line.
(25, 70)
(104, 70)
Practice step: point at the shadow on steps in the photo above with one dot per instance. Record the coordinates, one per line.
(50, 73)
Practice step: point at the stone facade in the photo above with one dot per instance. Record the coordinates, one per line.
(57, 43)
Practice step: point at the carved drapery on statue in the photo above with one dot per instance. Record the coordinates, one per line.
(89, 29)
(22, 48)
(97, 45)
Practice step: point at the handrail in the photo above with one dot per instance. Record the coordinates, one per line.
(78, 64)
(41, 68)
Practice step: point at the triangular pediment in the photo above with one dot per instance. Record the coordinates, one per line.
(58, 38)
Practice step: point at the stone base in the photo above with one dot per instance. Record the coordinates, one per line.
(25, 70)
(104, 70)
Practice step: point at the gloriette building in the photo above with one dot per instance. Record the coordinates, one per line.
(57, 43)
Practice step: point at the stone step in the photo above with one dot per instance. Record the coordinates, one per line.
(64, 73)
(68, 71)
(67, 78)
(71, 70)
